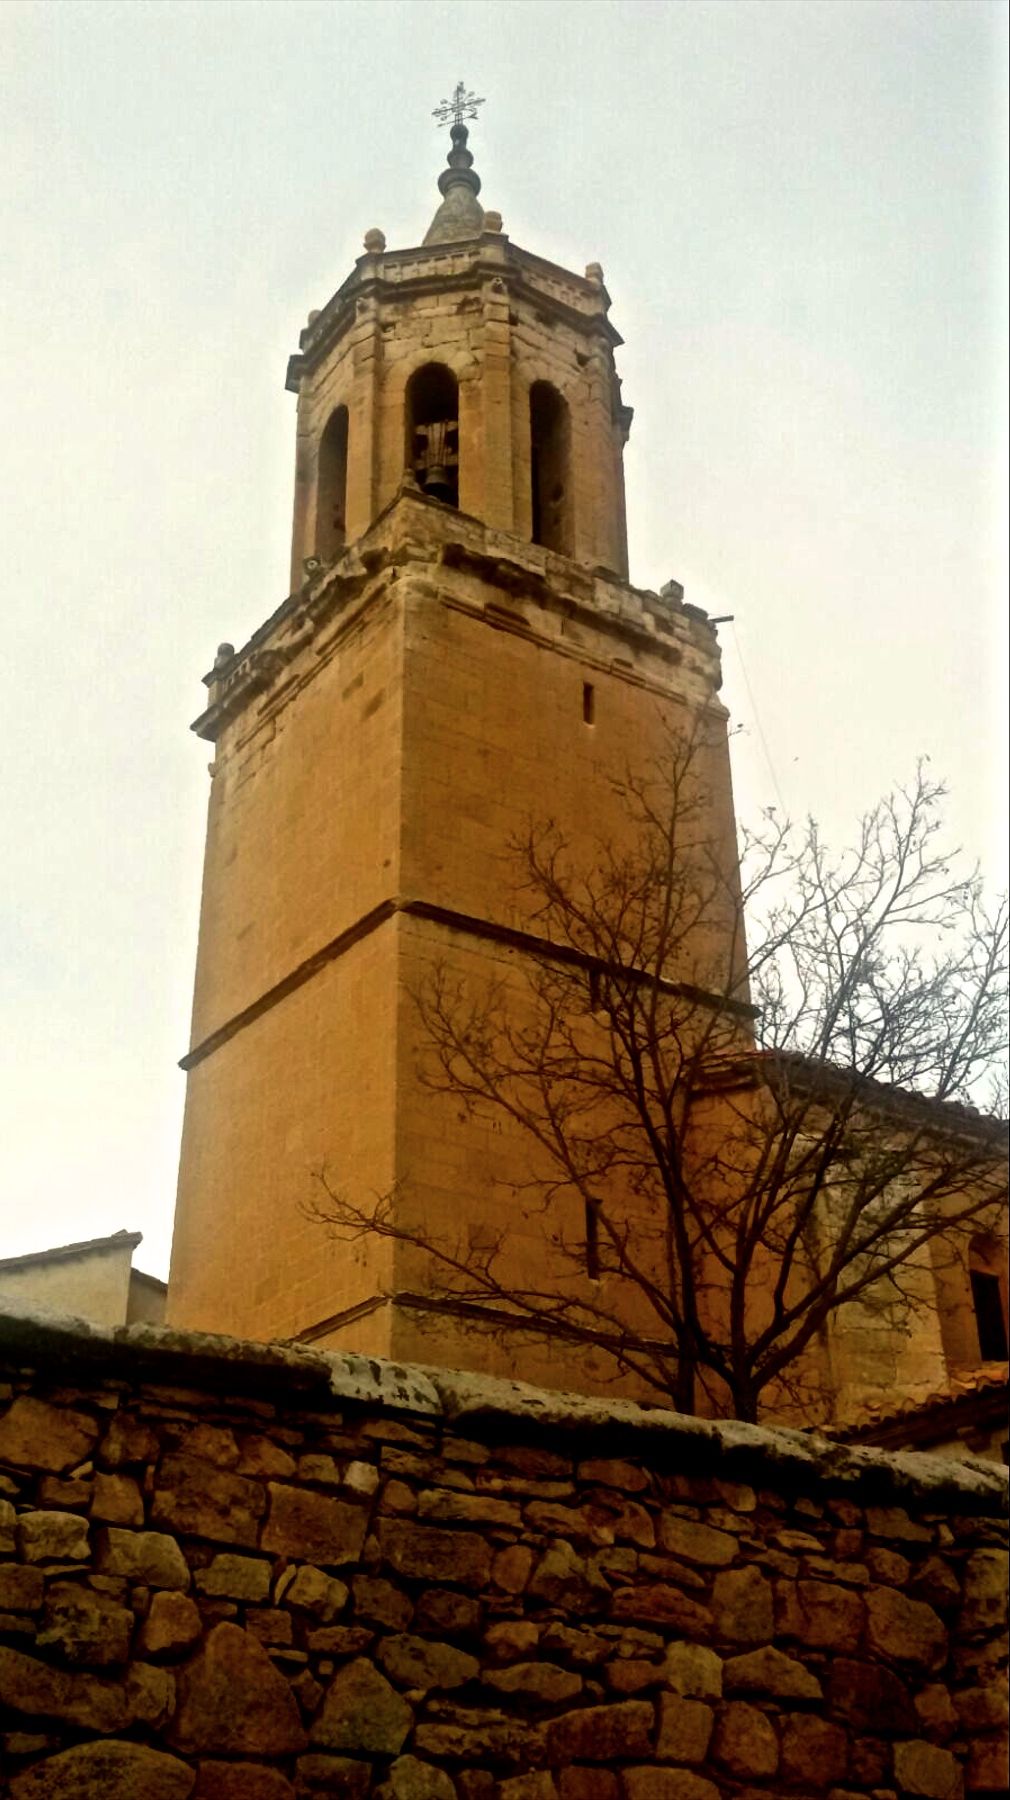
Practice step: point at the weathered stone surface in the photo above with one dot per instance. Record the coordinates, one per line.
(935, 1582)
(232, 1700)
(362, 1712)
(563, 1578)
(656, 1602)
(384, 1604)
(32, 1687)
(427, 1553)
(45, 1537)
(411, 1779)
(117, 1500)
(511, 1637)
(935, 1710)
(907, 1630)
(340, 1640)
(241, 1781)
(694, 1543)
(511, 1567)
(491, 1737)
(442, 1610)
(261, 1458)
(601, 1733)
(539, 1786)
(35, 1435)
(313, 1592)
(85, 1628)
(986, 1578)
(631, 1675)
(813, 1750)
(894, 1522)
(579, 1782)
(745, 1741)
(769, 1671)
(338, 1777)
(150, 1694)
(128, 1440)
(235, 1577)
(921, 1768)
(612, 1472)
(415, 1662)
(541, 1681)
(150, 1557)
(21, 1589)
(989, 1764)
(314, 1526)
(172, 1624)
(742, 1606)
(667, 1784)
(585, 1647)
(694, 1670)
(8, 1523)
(201, 1500)
(479, 1509)
(819, 1615)
(983, 1708)
(685, 1729)
(106, 1771)
(869, 1697)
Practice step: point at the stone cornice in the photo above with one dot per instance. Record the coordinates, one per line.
(414, 530)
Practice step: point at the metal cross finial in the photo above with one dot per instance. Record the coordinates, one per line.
(461, 106)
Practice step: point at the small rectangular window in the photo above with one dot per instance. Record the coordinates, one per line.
(988, 1302)
(588, 702)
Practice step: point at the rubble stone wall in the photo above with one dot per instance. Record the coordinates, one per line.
(236, 1572)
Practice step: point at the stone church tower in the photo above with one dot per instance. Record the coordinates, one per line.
(461, 654)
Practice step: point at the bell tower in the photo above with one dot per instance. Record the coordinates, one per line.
(461, 654)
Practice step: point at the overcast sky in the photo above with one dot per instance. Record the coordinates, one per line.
(798, 205)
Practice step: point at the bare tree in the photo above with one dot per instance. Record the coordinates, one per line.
(728, 1147)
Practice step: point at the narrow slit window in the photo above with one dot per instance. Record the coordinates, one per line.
(592, 1243)
(588, 703)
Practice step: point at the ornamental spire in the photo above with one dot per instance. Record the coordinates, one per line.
(460, 214)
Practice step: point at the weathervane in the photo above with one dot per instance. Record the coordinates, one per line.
(461, 106)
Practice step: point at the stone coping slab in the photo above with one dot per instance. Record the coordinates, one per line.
(482, 1405)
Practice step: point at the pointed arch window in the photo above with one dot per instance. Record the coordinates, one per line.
(331, 504)
(550, 468)
(433, 431)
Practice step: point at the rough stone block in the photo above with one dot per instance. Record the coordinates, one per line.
(35, 1435)
(363, 1713)
(241, 1781)
(694, 1670)
(742, 1609)
(924, 1769)
(685, 1729)
(769, 1671)
(907, 1630)
(814, 1751)
(415, 1662)
(411, 1779)
(85, 1628)
(232, 1701)
(694, 1543)
(667, 1784)
(52, 1537)
(201, 1500)
(106, 1771)
(543, 1682)
(601, 1733)
(745, 1741)
(171, 1626)
(117, 1500)
(235, 1577)
(150, 1557)
(426, 1552)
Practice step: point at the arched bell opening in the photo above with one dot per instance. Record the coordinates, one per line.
(331, 499)
(550, 468)
(433, 432)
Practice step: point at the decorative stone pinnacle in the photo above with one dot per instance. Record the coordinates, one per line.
(460, 215)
